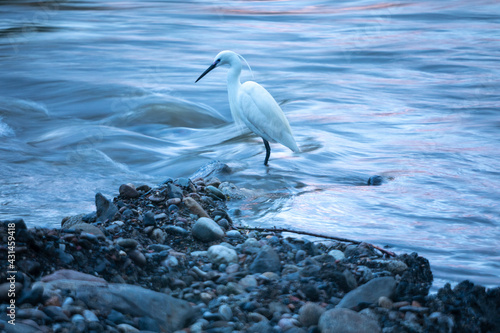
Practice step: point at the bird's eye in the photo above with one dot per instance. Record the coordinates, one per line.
(217, 61)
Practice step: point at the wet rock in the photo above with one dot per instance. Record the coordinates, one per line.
(6, 287)
(195, 207)
(248, 282)
(375, 180)
(219, 254)
(346, 321)
(310, 313)
(215, 193)
(105, 209)
(206, 230)
(126, 328)
(370, 292)
(416, 280)
(176, 230)
(267, 260)
(128, 191)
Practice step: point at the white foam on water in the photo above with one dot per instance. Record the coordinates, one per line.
(5, 130)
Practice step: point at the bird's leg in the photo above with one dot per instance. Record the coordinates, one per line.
(268, 151)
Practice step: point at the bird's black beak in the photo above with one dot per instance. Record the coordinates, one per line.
(212, 66)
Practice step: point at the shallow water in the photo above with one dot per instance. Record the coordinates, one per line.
(97, 93)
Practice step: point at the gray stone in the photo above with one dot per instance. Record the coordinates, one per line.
(171, 313)
(89, 229)
(105, 209)
(174, 191)
(369, 292)
(128, 191)
(233, 234)
(267, 260)
(226, 312)
(90, 316)
(337, 254)
(310, 313)
(207, 230)
(248, 282)
(346, 321)
(69, 221)
(68, 274)
(195, 207)
(219, 254)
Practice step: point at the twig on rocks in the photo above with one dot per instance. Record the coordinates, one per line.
(274, 229)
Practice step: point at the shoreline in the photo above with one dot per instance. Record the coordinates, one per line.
(169, 259)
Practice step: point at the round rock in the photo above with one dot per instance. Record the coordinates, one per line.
(346, 321)
(207, 230)
(219, 254)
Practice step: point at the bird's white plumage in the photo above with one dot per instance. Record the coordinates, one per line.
(262, 114)
(253, 105)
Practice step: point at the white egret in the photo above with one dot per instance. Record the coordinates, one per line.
(253, 105)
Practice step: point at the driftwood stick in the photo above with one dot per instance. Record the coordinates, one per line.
(345, 240)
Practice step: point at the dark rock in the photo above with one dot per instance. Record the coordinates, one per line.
(369, 292)
(55, 313)
(474, 308)
(346, 321)
(376, 180)
(105, 209)
(174, 191)
(31, 296)
(267, 260)
(416, 280)
(128, 191)
(149, 219)
(175, 230)
(29, 266)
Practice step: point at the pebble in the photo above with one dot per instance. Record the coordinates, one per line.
(127, 243)
(207, 230)
(149, 219)
(310, 313)
(248, 282)
(90, 316)
(346, 321)
(126, 328)
(215, 193)
(267, 260)
(225, 312)
(219, 254)
(195, 207)
(337, 254)
(385, 302)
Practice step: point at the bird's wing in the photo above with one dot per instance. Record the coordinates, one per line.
(260, 112)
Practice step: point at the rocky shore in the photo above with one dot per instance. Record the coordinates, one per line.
(169, 259)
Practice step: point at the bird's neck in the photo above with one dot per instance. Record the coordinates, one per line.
(233, 86)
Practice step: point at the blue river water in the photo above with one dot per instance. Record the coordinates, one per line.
(94, 94)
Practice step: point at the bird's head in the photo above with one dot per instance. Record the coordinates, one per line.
(221, 59)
